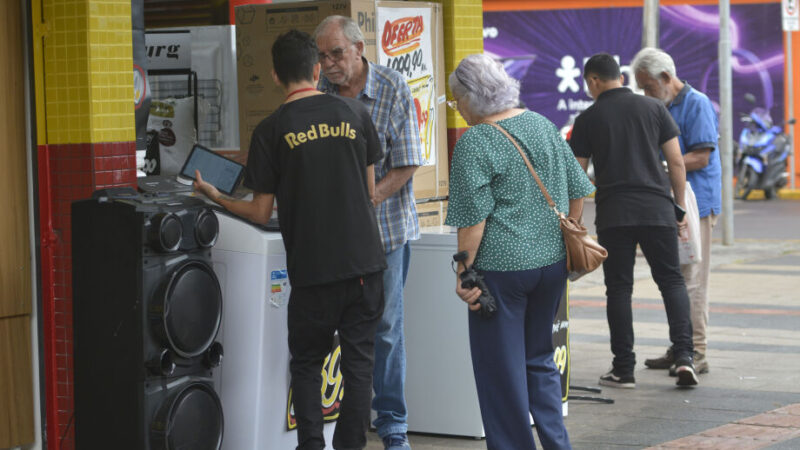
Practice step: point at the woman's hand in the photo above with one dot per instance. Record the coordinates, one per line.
(205, 188)
(470, 296)
(469, 239)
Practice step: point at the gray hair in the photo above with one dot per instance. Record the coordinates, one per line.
(654, 62)
(485, 85)
(348, 26)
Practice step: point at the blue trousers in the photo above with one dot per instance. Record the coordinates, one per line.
(512, 357)
(389, 377)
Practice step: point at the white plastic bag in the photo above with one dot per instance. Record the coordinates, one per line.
(689, 248)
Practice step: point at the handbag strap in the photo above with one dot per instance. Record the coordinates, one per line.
(530, 166)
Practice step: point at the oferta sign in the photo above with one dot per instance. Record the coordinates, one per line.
(406, 45)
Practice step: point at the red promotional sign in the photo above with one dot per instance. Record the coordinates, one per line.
(402, 36)
(407, 47)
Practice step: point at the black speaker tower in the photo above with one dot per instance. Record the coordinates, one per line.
(146, 310)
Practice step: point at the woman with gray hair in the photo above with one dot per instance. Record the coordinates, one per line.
(514, 241)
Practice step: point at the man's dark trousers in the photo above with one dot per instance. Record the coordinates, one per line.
(353, 307)
(660, 247)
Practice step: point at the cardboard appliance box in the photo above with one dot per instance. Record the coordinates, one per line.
(431, 213)
(257, 27)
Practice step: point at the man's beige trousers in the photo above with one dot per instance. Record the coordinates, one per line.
(696, 276)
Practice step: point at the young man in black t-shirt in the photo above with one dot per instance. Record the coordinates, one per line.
(316, 155)
(625, 134)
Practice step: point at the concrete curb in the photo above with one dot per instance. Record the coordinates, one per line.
(789, 194)
(784, 194)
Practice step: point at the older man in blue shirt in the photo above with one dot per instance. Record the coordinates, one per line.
(386, 95)
(693, 112)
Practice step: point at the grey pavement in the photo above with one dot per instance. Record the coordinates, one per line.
(754, 348)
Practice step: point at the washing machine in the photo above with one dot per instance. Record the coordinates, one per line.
(253, 380)
(440, 383)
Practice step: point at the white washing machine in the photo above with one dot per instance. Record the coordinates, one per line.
(253, 379)
(440, 383)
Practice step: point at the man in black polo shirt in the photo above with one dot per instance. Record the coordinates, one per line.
(316, 154)
(623, 133)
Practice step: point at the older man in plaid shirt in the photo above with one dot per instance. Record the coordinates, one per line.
(386, 94)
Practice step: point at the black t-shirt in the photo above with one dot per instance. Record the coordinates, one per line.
(313, 153)
(623, 132)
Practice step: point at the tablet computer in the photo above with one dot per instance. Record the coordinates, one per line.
(216, 169)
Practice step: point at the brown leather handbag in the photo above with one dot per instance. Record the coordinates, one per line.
(584, 254)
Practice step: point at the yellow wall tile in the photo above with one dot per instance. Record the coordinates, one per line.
(88, 69)
(463, 35)
(66, 71)
(111, 62)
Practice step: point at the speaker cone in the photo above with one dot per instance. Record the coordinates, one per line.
(189, 419)
(163, 364)
(214, 354)
(206, 228)
(165, 232)
(189, 310)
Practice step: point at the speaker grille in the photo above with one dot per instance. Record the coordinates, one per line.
(166, 232)
(191, 419)
(206, 228)
(192, 308)
(148, 305)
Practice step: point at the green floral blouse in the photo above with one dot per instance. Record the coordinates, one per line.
(489, 180)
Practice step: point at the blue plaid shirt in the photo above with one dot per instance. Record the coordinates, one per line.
(387, 96)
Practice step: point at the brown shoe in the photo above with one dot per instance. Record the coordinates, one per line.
(662, 362)
(700, 363)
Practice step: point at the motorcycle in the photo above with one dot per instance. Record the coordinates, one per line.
(761, 154)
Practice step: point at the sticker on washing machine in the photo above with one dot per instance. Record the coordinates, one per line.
(279, 288)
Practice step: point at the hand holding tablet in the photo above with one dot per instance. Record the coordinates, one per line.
(205, 187)
(219, 172)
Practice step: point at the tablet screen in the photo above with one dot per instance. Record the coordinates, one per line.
(217, 170)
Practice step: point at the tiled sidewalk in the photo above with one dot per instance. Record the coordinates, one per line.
(761, 431)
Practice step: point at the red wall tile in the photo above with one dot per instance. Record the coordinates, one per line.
(75, 171)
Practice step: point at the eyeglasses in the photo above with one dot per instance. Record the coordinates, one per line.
(452, 104)
(335, 55)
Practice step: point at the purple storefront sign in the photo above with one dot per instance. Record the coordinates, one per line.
(546, 50)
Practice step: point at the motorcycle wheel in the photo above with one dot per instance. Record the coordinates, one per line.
(737, 158)
(744, 182)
